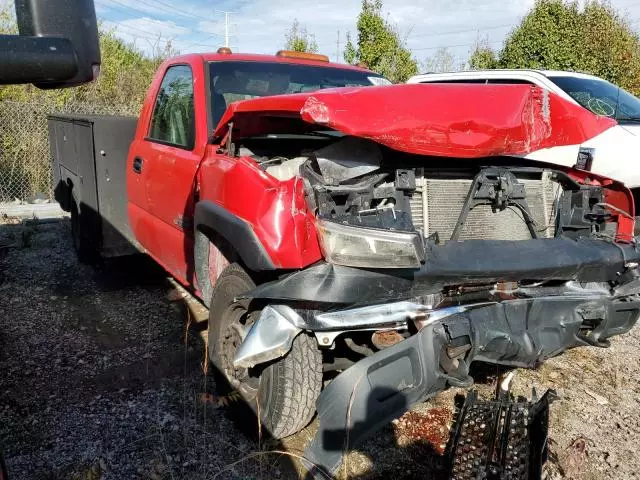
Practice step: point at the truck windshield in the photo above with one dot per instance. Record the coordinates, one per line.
(243, 80)
(601, 97)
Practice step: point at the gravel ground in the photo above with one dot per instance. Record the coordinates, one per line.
(97, 381)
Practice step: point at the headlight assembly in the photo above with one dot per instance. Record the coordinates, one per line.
(368, 247)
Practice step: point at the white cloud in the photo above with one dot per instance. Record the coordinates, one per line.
(260, 26)
(164, 28)
(148, 34)
(182, 10)
(211, 26)
(128, 6)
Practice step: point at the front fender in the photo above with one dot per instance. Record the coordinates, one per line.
(236, 231)
(276, 210)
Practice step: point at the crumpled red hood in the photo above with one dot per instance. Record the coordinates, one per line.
(453, 120)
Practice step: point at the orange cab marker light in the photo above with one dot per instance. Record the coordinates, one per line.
(224, 51)
(303, 55)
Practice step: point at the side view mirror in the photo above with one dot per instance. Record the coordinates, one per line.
(57, 47)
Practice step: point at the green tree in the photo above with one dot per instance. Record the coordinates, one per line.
(120, 89)
(548, 37)
(441, 61)
(559, 35)
(299, 40)
(482, 57)
(8, 24)
(125, 74)
(379, 45)
(612, 47)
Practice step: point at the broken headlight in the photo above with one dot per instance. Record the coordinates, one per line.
(369, 247)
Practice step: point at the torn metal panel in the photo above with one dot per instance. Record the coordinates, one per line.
(335, 284)
(270, 337)
(451, 120)
(349, 158)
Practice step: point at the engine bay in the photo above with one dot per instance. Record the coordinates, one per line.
(356, 182)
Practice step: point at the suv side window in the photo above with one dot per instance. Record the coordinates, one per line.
(509, 81)
(461, 80)
(173, 120)
(486, 81)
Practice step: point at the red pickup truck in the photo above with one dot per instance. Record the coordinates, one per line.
(385, 235)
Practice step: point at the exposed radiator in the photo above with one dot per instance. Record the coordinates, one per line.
(436, 205)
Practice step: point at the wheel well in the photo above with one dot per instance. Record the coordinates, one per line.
(210, 217)
(204, 237)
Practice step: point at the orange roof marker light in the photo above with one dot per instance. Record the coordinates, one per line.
(224, 51)
(302, 55)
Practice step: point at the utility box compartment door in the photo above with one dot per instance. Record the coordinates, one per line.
(86, 169)
(71, 146)
(112, 137)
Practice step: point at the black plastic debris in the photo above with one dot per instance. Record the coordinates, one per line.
(501, 439)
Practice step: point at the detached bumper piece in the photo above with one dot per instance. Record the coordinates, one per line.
(500, 439)
(517, 333)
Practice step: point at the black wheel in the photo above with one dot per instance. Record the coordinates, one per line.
(86, 254)
(286, 390)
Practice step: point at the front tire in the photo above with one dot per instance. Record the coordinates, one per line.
(286, 389)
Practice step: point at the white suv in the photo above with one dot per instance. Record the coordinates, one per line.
(612, 153)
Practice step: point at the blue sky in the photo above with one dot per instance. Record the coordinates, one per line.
(259, 26)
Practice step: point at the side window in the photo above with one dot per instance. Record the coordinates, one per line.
(461, 80)
(173, 119)
(510, 81)
(494, 81)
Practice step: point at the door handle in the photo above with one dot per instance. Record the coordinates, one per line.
(137, 165)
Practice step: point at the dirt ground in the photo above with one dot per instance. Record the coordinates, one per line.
(100, 378)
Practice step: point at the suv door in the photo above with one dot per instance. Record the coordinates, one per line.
(165, 162)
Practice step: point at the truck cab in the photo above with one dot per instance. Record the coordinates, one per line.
(174, 144)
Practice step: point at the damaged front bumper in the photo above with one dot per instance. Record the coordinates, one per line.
(472, 262)
(518, 333)
(515, 304)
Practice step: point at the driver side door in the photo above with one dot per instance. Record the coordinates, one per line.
(166, 161)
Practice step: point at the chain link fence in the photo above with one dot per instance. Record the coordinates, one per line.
(25, 160)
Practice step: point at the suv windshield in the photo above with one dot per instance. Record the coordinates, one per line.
(243, 80)
(601, 97)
